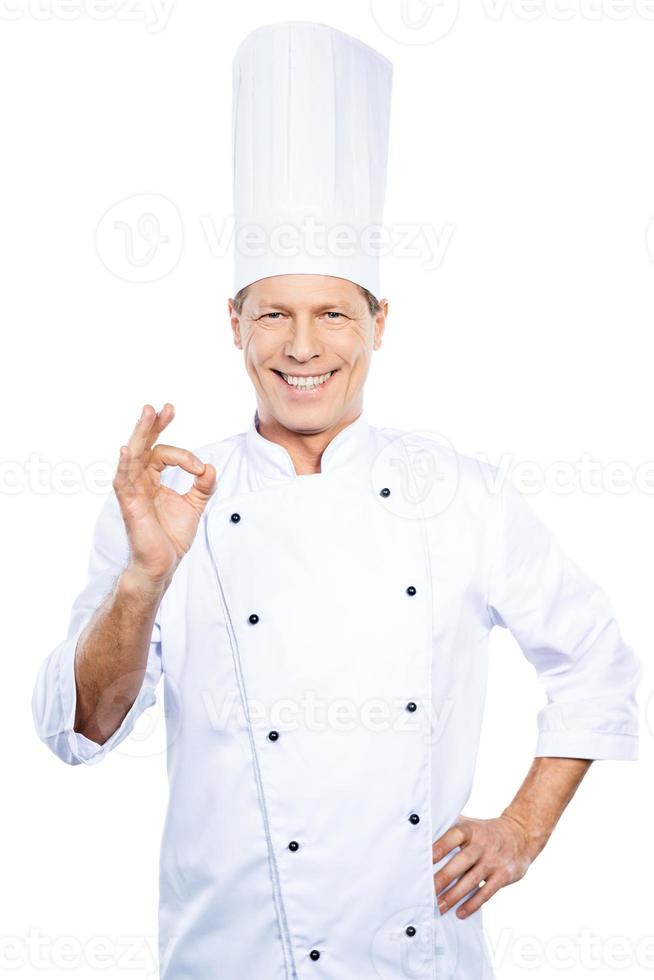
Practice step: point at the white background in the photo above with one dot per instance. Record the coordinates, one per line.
(522, 136)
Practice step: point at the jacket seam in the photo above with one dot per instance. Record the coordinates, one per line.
(494, 556)
(282, 920)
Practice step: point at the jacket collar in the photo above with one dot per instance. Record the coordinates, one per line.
(272, 460)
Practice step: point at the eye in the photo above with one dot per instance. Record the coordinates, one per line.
(271, 316)
(331, 314)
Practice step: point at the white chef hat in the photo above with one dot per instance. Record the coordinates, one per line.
(311, 112)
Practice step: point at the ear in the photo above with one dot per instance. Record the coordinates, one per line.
(235, 323)
(380, 324)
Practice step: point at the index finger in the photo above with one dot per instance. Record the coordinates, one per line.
(149, 427)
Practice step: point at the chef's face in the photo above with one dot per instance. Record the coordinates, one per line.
(307, 342)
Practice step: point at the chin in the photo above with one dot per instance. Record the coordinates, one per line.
(305, 417)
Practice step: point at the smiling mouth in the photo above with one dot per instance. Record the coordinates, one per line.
(305, 383)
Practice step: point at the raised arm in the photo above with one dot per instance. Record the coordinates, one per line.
(91, 688)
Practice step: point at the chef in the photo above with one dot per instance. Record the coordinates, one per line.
(318, 593)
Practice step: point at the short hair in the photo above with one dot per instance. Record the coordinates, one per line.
(373, 303)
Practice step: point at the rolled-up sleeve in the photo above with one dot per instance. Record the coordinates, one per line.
(565, 625)
(54, 697)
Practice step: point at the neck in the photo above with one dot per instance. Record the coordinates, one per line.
(304, 448)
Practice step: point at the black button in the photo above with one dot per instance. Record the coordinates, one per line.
(410, 930)
(235, 518)
(385, 492)
(273, 736)
(411, 590)
(253, 618)
(412, 706)
(314, 954)
(414, 818)
(293, 846)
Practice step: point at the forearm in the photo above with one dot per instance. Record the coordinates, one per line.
(547, 789)
(112, 653)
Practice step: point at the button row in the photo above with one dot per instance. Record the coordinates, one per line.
(384, 492)
(273, 735)
(253, 618)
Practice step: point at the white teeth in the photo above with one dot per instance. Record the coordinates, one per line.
(313, 382)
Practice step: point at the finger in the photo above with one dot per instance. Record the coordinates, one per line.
(126, 471)
(464, 885)
(454, 837)
(203, 487)
(148, 427)
(483, 893)
(136, 445)
(163, 418)
(136, 441)
(163, 455)
(455, 867)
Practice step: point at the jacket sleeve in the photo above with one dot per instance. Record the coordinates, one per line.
(566, 628)
(54, 696)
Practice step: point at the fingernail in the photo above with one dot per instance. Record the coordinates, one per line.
(442, 905)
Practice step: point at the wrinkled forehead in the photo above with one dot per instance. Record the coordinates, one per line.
(304, 293)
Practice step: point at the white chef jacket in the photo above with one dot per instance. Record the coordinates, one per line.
(323, 646)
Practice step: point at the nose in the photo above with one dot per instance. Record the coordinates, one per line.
(304, 341)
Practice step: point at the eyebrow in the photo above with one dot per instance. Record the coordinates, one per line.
(313, 309)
